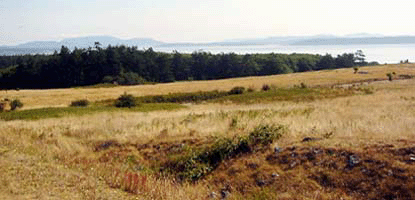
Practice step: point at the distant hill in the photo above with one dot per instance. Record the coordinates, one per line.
(85, 42)
(358, 40)
(71, 43)
(284, 40)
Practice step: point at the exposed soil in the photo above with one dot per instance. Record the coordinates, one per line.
(374, 172)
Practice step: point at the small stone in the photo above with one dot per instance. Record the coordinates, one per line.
(213, 195)
(352, 161)
(224, 194)
(274, 175)
(277, 150)
(293, 164)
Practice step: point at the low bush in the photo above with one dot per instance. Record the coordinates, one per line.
(125, 100)
(266, 87)
(197, 165)
(15, 104)
(2, 106)
(80, 103)
(237, 90)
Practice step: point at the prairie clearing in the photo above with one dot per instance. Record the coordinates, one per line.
(97, 156)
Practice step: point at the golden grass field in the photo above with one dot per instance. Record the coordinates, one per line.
(56, 158)
(63, 97)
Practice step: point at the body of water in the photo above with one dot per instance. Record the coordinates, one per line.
(391, 53)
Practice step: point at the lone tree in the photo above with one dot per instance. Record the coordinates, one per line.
(15, 104)
(97, 45)
(360, 57)
(390, 76)
(355, 69)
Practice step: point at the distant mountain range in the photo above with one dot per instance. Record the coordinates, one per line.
(86, 42)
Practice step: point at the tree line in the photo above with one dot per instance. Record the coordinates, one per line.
(130, 65)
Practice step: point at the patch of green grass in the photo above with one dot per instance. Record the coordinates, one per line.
(296, 94)
(99, 85)
(43, 113)
(193, 97)
(287, 94)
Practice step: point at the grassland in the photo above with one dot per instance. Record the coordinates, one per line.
(63, 97)
(360, 144)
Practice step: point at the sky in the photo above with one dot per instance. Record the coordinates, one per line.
(200, 21)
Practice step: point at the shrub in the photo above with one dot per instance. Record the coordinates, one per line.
(390, 76)
(237, 90)
(2, 106)
(251, 89)
(130, 78)
(80, 103)
(355, 69)
(125, 100)
(266, 87)
(15, 104)
(198, 164)
(266, 134)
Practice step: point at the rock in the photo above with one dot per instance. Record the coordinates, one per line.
(293, 164)
(213, 195)
(310, 139)
(224, 194)
(317, 151)
(106, 144)
(278, 150)
(352, 161)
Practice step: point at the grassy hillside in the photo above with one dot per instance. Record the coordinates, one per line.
(332, 146)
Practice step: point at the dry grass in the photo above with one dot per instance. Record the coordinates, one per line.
(63, 97)
(57, 158)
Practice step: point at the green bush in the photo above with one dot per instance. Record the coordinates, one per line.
(125, 100)
(80, 103)
(237, 90)
(266, 134)
(15, 104)
(197, 165)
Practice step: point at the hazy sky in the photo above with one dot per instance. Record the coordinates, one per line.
(200, 21)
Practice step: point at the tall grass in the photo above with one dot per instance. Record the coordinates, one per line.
(55, 157)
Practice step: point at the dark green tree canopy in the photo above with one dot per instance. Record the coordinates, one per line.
(129, 65)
